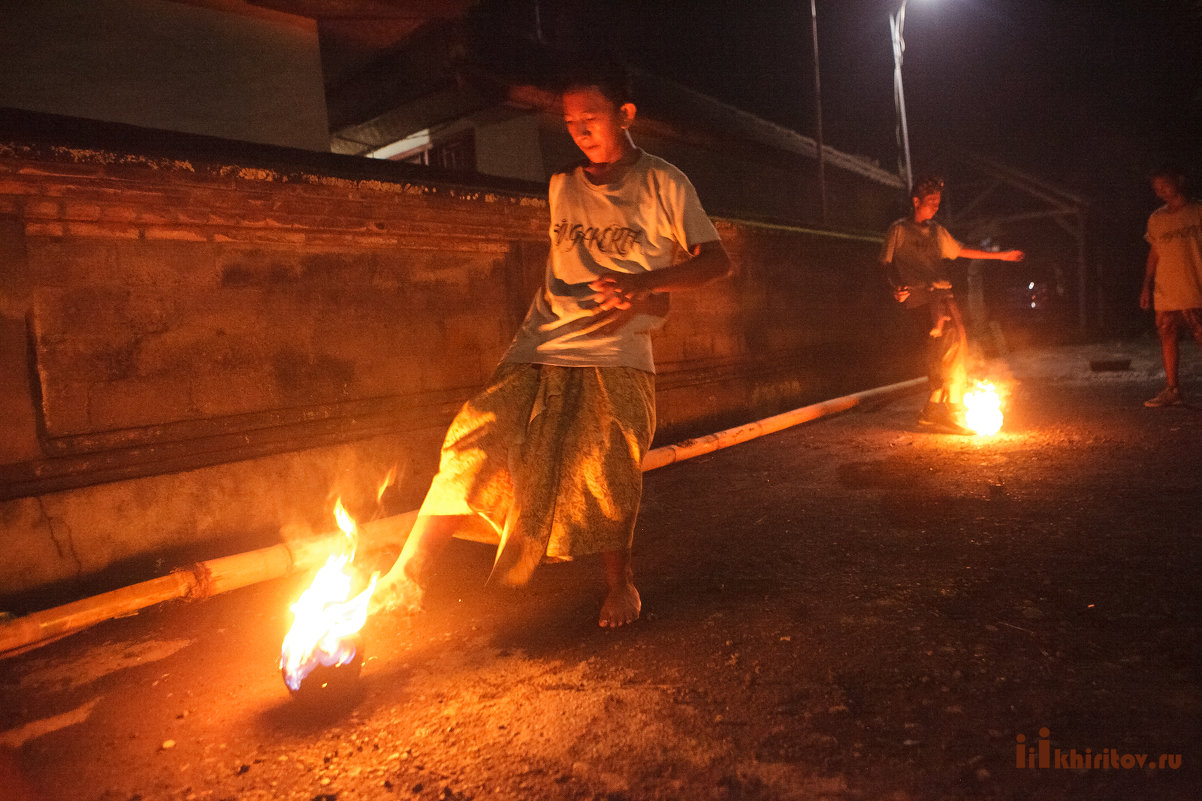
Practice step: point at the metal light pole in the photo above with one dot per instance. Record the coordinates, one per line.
(818, 110)
(896, 23)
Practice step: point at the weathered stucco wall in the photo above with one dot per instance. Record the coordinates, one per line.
(203, 346)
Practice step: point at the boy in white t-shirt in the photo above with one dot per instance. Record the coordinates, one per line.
(1173, 274)
(546, 460)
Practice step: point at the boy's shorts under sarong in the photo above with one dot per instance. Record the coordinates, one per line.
(551, 457)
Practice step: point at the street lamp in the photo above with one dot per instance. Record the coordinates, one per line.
(896, 23)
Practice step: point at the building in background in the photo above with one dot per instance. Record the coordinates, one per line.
(230, 70)
(436, 84)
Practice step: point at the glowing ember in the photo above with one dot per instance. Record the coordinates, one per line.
(326, 618)
(983, 409)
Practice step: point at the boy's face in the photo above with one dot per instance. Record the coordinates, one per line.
(596, 125)
(1165, 188)
(926, 207)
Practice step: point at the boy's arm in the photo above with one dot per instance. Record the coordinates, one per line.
(1145, 293)
(709, 261)
(995, 255)
(900, 291)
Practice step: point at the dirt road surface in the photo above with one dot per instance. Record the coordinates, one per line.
(850, 609)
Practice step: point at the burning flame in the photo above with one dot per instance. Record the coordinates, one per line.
(325, 617)
(385, 484)
(983, 409)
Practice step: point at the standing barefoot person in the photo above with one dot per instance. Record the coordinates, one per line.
(1173, 275)
(549, 454)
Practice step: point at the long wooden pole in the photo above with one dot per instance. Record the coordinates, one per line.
(214, 576)
(201, 580)
(669, 454)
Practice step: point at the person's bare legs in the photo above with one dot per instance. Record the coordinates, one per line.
(955, 356)
(1169, 352)
(1197, 334)
(622, 603)
(404, 585)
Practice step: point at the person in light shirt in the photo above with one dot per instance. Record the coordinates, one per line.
(1173, 275)
(913, 256)
(546, 460)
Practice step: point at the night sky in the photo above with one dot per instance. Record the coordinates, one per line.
(1054, 86)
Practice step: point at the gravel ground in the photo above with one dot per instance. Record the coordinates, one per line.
(850, 609)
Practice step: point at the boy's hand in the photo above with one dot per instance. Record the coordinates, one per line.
(900, 293)
(1013, 255)
(615, 291)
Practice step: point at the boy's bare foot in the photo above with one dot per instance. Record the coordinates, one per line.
(622, 605)
(401, 589)
(397, 593)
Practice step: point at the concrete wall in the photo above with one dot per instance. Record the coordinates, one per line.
(253, 75)
(202, 343)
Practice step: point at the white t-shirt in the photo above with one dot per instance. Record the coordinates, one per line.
(631, 226)
(917, 253)
(1177, 238)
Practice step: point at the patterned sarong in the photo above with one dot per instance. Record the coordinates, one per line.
(551, 457)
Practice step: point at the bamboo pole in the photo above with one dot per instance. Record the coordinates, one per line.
(670, 454)
(201, 580)
(215, 576)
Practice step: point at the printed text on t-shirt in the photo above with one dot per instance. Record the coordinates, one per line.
(1184, 232)
(615, 239)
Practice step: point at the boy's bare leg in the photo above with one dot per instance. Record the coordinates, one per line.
(622, 604)
(1169, 352)
(404, 585)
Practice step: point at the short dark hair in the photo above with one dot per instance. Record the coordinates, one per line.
(927, 185)
(608, 75)
(1172, 172)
